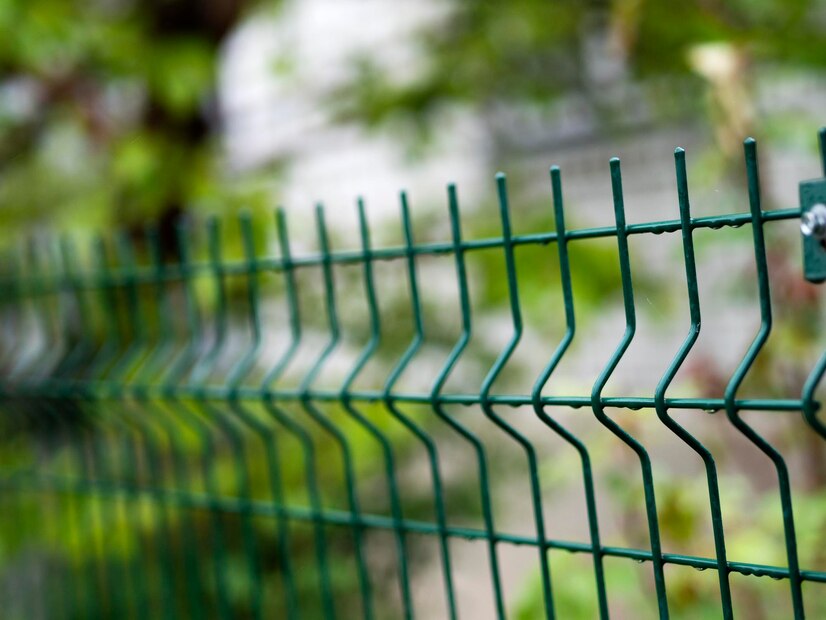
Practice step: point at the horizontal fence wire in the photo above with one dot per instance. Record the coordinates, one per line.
(135, 447)
(119, 276)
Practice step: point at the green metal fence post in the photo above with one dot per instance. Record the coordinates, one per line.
(810, 407)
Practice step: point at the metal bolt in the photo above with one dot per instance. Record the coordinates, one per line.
(813, 222)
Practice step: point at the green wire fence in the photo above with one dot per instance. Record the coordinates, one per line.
(158, 461)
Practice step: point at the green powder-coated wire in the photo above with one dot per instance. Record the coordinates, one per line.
(161, 414)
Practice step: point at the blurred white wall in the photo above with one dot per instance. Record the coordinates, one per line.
(276, 79)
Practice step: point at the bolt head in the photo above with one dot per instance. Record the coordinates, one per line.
(813, 222)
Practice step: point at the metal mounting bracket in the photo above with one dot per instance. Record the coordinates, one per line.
(813, 228)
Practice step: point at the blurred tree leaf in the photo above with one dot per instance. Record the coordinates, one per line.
(486, 54)
(105, 109)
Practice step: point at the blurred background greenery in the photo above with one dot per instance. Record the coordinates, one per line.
(118, 114)
(112, 114)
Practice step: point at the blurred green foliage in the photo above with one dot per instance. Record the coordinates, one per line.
(108, 119)
(487, 54)
(108, 111)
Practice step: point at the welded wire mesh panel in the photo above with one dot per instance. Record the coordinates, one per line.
(188, 430)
